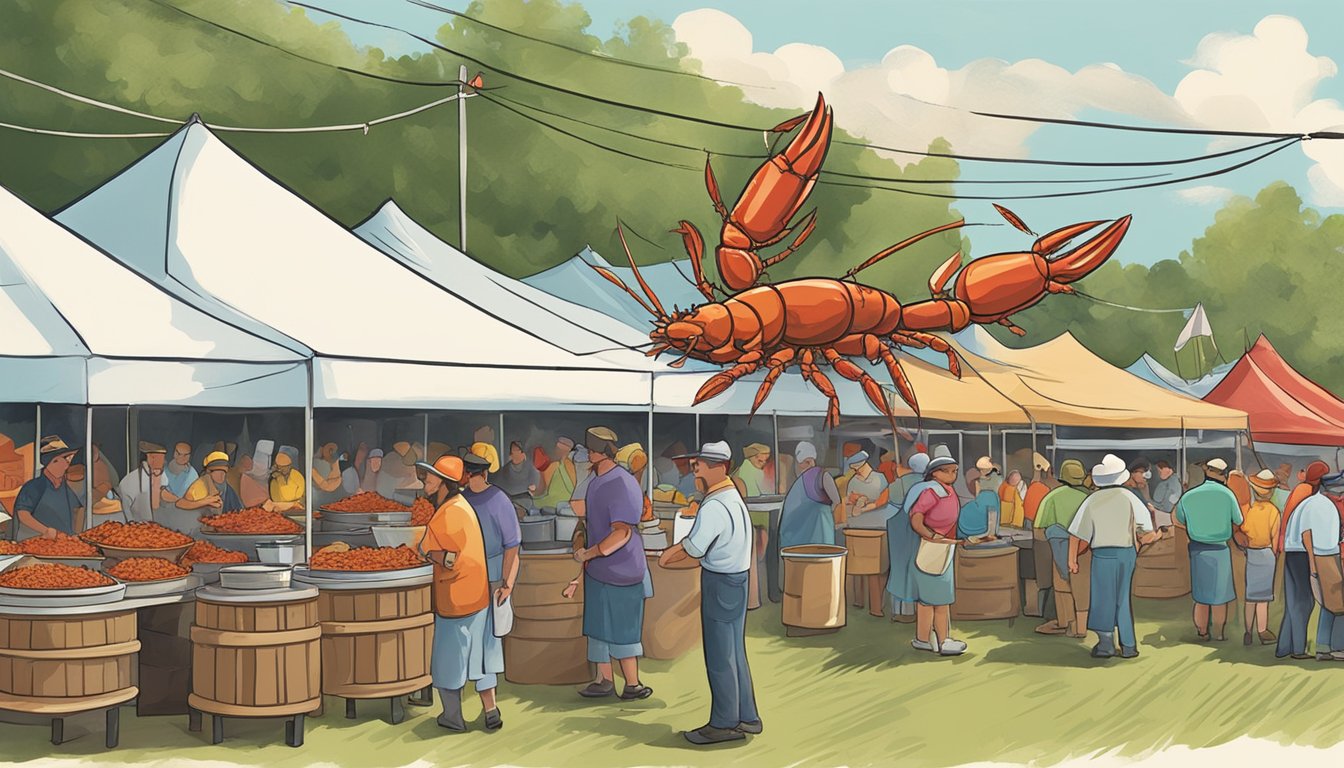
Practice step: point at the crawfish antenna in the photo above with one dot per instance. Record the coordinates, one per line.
(653, 297)
(619, 283)
(906, 243)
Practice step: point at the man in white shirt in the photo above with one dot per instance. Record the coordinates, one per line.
(145, 490)
(1314, 529)
(721, 541)
(1107, 522)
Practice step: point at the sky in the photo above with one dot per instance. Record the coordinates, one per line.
(901, 73)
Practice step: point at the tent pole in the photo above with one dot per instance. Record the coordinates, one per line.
(426, 433)
(648, 466)
(779, 475)
(499, 440)
(128, 441)
(308, 446)
(1185, 454)
(462, 158)
(1240, 437)
(88, 467)
(697, 432)
(37, 442)
(1032, 424)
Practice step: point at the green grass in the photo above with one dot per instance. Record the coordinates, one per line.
(862, 696)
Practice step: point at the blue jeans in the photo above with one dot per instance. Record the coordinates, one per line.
(723, 618)
(1297, 602)
(602, 652)
(1112, 579)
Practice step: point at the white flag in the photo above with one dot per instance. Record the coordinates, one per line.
(1197, 325)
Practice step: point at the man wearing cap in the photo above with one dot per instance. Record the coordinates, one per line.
(1256, 535)
(145, 490)
(752, 469)
(1297, 596)
(453, 544)
(720, 540)
(286, 487)
(212, 489)
(1209, 512)
(1139, 474)
(1109, 521)
(178, 472)
(1040, 547)
(1053, 517)
(1313, 534)
(685, 481)
(46, 505)
(614, 570)
(501, 538)
(867, 492)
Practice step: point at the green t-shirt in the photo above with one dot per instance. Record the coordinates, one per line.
(1060, 506)
(1208, 512)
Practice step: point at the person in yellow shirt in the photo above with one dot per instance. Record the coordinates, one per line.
(287, 486)
(1257, 533)
(461, 595)
(1012, 507)
(212, 488)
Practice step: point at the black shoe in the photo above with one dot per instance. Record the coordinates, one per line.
(1246, 639)
(598, 690)
(493, 720)
(754, 727)
(1129, 653)
(633, 692)
(1102, 653)
(1301, 656)
(451, 723)
(710, 735)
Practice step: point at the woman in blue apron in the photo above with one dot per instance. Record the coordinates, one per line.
(903, 542)
(808, 515)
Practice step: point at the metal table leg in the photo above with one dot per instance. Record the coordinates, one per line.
(294, 731)
(350, 712)
(113, 727)
(194, 720)
(216, 729)
(398, 711)
(57, 730)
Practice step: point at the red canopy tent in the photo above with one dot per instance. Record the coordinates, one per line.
(1284, 406)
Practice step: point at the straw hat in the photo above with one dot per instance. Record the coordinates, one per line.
(756, 449)
(1265, 480)
(1111, 471)
(1072, 472)
(986, 465)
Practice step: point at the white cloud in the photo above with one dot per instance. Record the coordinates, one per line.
(1204, 194)
(1266, 81)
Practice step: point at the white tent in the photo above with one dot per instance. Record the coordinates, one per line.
(576, 281)
(384, 335)
(79, 328)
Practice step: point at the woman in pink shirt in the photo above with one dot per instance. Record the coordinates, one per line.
(933, 518)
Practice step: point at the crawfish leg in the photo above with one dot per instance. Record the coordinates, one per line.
(1014, 327)
(898, 377)
(777, 363)
(809, 224)
(720, 382)
(870, 386)
(922, 339)
(819, 380)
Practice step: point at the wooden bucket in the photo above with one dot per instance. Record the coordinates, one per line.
(814, 587)
(672, 615)
(1162, 570)
(546, 646)
(376, 643)
(987, 584)
(867, 551)
(66, 664)
(256, 659)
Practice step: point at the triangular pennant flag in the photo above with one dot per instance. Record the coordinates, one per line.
(1197, 325)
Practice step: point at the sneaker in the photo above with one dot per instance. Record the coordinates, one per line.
(1324, 656)
(1129, 653)
(632, 692)
(921, 645)
(451, 723)
(598, 690)
(1268, 638)
(493, 720)
(952, 647)
(1337, 656)
(711, 735)
(1098, 652)
(754, 727)
(1246, 639)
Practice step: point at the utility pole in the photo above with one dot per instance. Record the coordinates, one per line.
(462, 158)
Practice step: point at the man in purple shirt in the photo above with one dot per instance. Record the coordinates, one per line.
(614, 570)
(502, 536)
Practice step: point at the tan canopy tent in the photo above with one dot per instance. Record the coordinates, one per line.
(1062, 382)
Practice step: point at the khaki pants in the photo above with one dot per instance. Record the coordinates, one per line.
(1074, 595)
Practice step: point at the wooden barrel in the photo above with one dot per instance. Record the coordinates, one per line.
(814, 587)
(252, 659)
(987, 584)
(1163, 567)
(672, 615)
(375, 642)
(867, 551)
(546, 646)
(65, 664)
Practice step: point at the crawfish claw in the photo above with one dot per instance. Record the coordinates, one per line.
(1077, 263)
(717, 385)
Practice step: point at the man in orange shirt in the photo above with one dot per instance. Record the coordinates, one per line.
(454, 545)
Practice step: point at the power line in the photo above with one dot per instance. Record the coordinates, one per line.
(571, 49)
(297, 55)
(732, 126)
(83, 135)
(1140, 128)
